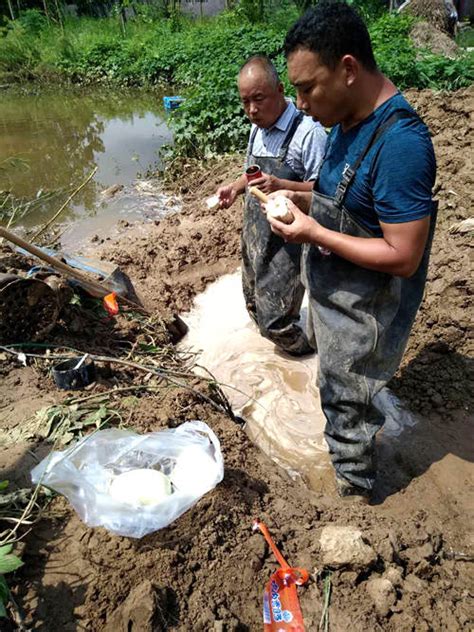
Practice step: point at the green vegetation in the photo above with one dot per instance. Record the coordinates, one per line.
(201, 58)
(465, 37)
(411, 68)
(8, 563)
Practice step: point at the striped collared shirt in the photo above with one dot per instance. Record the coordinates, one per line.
(306, 149)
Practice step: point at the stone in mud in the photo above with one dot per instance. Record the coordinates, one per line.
(112, 190)
(414, 584)
(349, 577)
(383, 594)
(143, 610)
(385, 550)
(417, 554)
(257, 547)
(394, 575)
(345, 546)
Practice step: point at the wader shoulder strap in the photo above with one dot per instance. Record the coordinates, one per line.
(289, 137)
(286, 142)
(350, 171)
(251, 142)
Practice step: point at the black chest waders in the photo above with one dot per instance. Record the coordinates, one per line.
(271, 268)
(361, 320)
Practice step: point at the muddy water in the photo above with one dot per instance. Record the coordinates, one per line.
(276, 395)
(50, 143)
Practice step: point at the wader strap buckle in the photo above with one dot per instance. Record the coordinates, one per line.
(347, 176)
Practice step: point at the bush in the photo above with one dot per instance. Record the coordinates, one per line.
(394, 51)
(408, 67)
(19, 52)
(438, 72)
(369, 9)
(32, 21)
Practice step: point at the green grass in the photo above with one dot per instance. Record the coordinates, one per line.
(465, 38)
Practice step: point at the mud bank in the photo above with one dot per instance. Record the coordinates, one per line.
(207, 571)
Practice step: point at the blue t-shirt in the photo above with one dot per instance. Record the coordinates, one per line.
(394, 182)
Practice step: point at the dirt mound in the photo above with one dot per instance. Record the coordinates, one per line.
(438, 368)
(207, 571)
(426, 36)
(432, 11)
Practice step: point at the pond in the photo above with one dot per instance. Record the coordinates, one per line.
(50, 142)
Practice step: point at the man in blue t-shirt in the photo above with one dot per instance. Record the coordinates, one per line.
(368, 226)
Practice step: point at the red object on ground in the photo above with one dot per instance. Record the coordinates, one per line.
(281, 608)
(110, 304)
(253, 172)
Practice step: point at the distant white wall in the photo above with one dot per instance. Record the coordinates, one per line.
(209, 7)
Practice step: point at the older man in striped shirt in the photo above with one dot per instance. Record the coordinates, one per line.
(289, 148)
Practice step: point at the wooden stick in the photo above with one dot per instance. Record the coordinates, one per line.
(93, 287)
(258, 194)
(58, 213)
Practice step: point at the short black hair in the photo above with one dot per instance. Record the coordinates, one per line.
(266, 64)
(332, 30)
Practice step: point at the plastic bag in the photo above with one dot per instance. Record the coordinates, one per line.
(83, 473)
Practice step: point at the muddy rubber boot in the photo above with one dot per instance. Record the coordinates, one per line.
(351, 493)
(301, 349)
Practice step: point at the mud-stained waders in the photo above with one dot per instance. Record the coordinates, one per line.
(271, 269)
(361, 321)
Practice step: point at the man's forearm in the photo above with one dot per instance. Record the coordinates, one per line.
(374, 253)
(240, 184)
(291, 185)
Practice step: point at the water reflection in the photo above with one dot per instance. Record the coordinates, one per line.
(63, 135)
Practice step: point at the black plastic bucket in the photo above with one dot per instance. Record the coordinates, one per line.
(70, 378)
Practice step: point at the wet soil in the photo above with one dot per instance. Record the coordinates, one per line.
(207, 571)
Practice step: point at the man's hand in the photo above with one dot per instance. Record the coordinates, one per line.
(302, 230)
(267, 183)
(227, 195)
